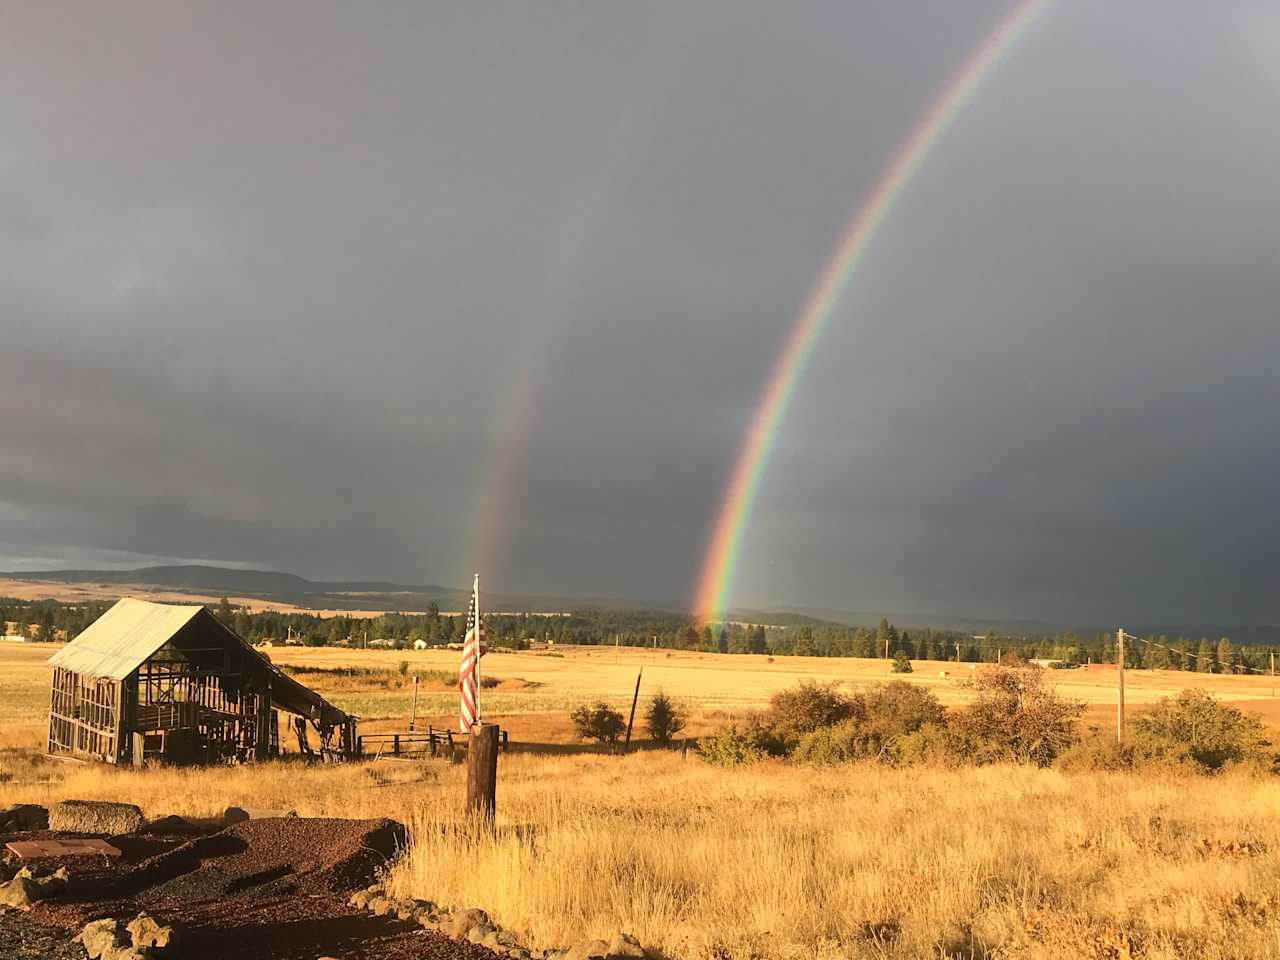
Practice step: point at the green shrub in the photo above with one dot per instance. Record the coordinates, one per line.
(934, 744)
(599, 722)
(1096, 752)
(881, 716)
(1194, 728)
(900, 663)
(894, 708)
(664, 718)
(733, 745)
(841, 743)
(804, 708)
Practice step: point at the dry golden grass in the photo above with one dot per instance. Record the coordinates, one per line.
(865, 861)
(767, 861)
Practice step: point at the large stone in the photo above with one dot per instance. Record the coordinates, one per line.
(25, 888)
(360, 899)
(381, 906)
(624, 945)
(588, 950)
(101, 937)
(94, 816)
(20, 892)
(25, 816)
(461, 923)
(147, 933)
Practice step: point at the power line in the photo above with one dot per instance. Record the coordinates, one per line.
(1232, 667)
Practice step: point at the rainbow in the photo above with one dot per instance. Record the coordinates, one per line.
(725, 546)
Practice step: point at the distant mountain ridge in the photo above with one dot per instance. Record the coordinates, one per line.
(204, 579)
(273, 585)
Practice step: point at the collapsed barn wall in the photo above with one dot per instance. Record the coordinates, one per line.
(157, 682)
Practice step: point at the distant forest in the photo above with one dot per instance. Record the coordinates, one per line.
(48, 620)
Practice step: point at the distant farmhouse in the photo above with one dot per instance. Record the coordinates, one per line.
(153, 681)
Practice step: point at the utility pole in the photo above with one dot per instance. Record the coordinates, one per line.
(1273, 673)
(413, 716)
(1120, 685)
(632, 719)
(957, 651)
(886, 648)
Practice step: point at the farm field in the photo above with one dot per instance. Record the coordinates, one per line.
(769, 860)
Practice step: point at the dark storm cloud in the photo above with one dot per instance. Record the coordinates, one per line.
(271, 273)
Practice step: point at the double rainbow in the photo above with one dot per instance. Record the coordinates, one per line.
(725, 546)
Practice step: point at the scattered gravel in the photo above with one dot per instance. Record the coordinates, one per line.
(271, 889)
(23, 938)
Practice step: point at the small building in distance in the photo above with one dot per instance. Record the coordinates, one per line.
(1046, 663)
(157, 681)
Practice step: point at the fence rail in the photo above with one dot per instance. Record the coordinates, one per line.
(415, 742)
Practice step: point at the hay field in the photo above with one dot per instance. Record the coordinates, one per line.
(765, 861)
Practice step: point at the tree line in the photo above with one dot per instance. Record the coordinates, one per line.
(676, 631)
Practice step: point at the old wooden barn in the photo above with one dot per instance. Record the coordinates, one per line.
(173, 683)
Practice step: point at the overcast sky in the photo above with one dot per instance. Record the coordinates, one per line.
(399, 290)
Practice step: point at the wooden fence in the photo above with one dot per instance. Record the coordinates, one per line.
(411, 743)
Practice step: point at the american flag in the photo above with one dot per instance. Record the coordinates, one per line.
(469, 673)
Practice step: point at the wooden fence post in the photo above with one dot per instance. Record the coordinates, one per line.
(482, 771)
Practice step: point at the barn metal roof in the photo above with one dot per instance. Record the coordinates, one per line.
(118, 642)
(132, 631)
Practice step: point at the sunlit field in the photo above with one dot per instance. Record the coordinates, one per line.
(769, 860)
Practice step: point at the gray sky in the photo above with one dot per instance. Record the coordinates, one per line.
(394, 290)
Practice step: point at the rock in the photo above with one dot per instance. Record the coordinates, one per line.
(149, 934)
(25, 889)
(101, 937)
(588, 950)
(479, 933)
(376, 888)
(127, 952)
(20, 892)
(462, 922)
(507, 939)
(625, 945)
(518, 953)
(427, 920)
(25, 816)
(405, 909)
(489, 939)
(240, 814)
(360, 899)
(380, 906)
(94, 816)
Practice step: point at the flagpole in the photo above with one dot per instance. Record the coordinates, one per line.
(475, 590)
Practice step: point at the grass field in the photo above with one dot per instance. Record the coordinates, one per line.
(771, 860)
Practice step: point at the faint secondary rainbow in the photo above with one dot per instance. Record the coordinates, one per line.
(724, 548)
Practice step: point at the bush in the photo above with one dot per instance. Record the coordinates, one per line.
(1195, 728)
(881, 716)
(664, 718)
(899, 707)
(805, 708)
(900, 663)
(934, 744)
(599, 722)
(846, 741)
(1096, 752)
(733, 745)
(1017, 717)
